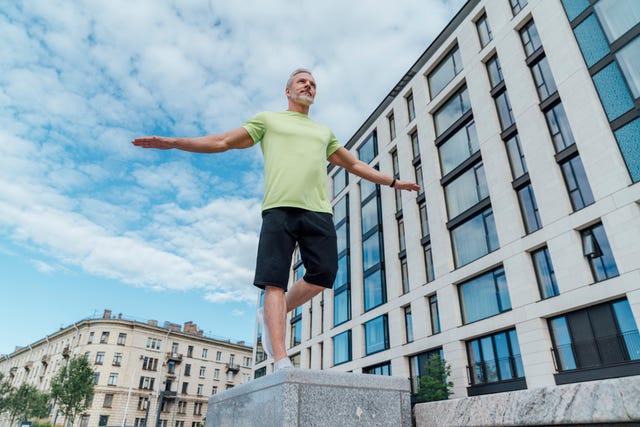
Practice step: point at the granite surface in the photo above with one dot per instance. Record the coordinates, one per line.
(607, 401)
(309, 398)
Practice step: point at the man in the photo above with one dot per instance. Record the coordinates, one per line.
(296, 207)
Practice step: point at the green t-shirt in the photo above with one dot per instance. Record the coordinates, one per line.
(295, 150)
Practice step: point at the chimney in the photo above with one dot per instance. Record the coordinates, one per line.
(152, 322)
(107, 314)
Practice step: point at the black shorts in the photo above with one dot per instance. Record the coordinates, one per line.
(314, 232)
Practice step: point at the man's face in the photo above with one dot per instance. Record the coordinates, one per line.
(302, 90)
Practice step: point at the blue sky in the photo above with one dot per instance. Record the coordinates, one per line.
(87, 221)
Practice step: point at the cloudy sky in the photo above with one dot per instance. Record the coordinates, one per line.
(88, 221)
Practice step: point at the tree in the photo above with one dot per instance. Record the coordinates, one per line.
(434, 384)
(5, 392)
(27, 402)
(72, 388)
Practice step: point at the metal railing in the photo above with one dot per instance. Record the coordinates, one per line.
(596, 352)
(495, 370)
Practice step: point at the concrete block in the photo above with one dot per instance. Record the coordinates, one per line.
(310, 398)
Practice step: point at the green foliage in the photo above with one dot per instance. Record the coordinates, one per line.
(72, 387)
(5, 391)
(26, 402)
(434, 385)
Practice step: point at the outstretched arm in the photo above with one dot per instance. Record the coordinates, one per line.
(237, 138)
(344, 158)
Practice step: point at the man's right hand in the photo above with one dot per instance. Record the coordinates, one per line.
(159, 142)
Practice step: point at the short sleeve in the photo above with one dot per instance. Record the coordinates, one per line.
(256, 126)
(333, 145)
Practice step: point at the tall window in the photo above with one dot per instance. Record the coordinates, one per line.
(342, 348)
(545, 274)
(99, 358)
(577, 183)
(113, 379)
(474, 238)
(598, 253)
(296, 327)
(341, 286)
(408, 324)
(376, 332)
(600, 336)
(434, 314)
(108, 400)
(494, 71)
(484, 30)
(117, 359)
(484, 296)
(411, 109)
(104, 338)
(428, 262)
(368, 150)
(517, 5)
(445, 71)
(404, 273)
(530, 38)
(545, 84)
(559, 128)
(529, 209)
(396, 174)
(417, 164)
(466, 190)
(452, 110)
(455, 150)
(516, 157)
(375, 292)
(392, 126)
(495, 358)
(340, 180)
(122, 338)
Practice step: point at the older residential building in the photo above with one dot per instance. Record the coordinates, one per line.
(145, 374)
(519, 261)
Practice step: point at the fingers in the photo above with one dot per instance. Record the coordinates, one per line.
(150, 142)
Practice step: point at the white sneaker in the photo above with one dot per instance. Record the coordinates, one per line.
(266, 339)
(282, 364)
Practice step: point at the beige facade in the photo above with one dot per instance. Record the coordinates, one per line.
(509, 335)
(165, 373)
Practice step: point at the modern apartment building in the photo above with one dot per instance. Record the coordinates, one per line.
(519, 260)
(145, 374)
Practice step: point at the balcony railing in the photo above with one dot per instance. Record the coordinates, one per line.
(496, 370)
(597, 352)
(233, 367)
(174, 356)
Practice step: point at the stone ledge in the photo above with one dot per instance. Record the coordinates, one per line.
(301, 397)
(606, 401)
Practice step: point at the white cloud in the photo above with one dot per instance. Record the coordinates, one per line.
(79, 79)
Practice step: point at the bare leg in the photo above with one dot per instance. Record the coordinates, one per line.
(301, 292)
(275, 313)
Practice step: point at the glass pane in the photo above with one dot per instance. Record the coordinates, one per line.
(545, 84)
(502, 290)
(466, 191)
(342, 277)
(374, 294)
(529, 209)
(375, 335)
(614, 92)
(504, 356)
(367, 188)
(458, 148)
(628, 138)
(530, 38)
(562, 340)
(628, 328)
(618, 16)
(515, 352)
(401, 240)
(408, 323)
(490, 365)
(629, 59)
(516, 157)
(606, 264)
(480, 298)
(577, 183)
(342, 348)
(474, 238)
(445, 72)
(591, 40)
(435, 314)
(424, 221)
(495, 71)
(369, 215)
(339, 181)
(342, 237)
(559, 128)
(574, 7)
(475, 362)
(504, 110)
(369, 149)
(484, 31)
(341, 307)
(340, 210)
(371, 251)
(545, 273)
(455, 108)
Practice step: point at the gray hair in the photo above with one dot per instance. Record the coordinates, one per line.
(295, 73)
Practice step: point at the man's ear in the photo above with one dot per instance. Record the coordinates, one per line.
(287, 91)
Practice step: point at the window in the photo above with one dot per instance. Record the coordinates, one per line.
(434, 314)
(419, 180)
(197, 408)
(190, 351)
(122, 338)
(453, 110)
(517, 5)
(371, 251)
(374, 290)
(104, 420)
(577, 183)
(495, 358)
(214, 389)
(424, 219)
(598, 253)
(376, 333)
(372, 247)
(117, 359)
(90, 339)
(142, 403)
(174, 348)
(96, 378)
(392, 126)
(218, 356)
(113, 379)
(381, 369)
(428, 262)
(99, 358)
(408, 323)
(104, 338)
(529, 209)
(411, 109)
(185, 387)
(484, 296)
(401, 238)
(404, 275)
(203, 371)
(466, 191)
(368, 150)
(603, 335)
(200, 389)
(445, 71)
(296, 330)
(418, 366)
(458, 148)
(146, 383)
(216, 374)
(149, 363)
(503, 106)
(545, 84)
(340, 179)
(559, 128)
(494, 71)
(474, 238)
(154, 344)
(530, 38)
(341, 307)
(484, 31)
(396, 174)
(516, 157)
(617, 16)
(205, 351)
(415, 144)
(545, 273)
(108, 401)
(187, 369)
(341, 292)
(342, 348)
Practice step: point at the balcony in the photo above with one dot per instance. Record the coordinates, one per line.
(13, 371)
(45, 359)
(66, 352)
(599, 358)
(28, 365)
(176, 357)
(233, 367)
